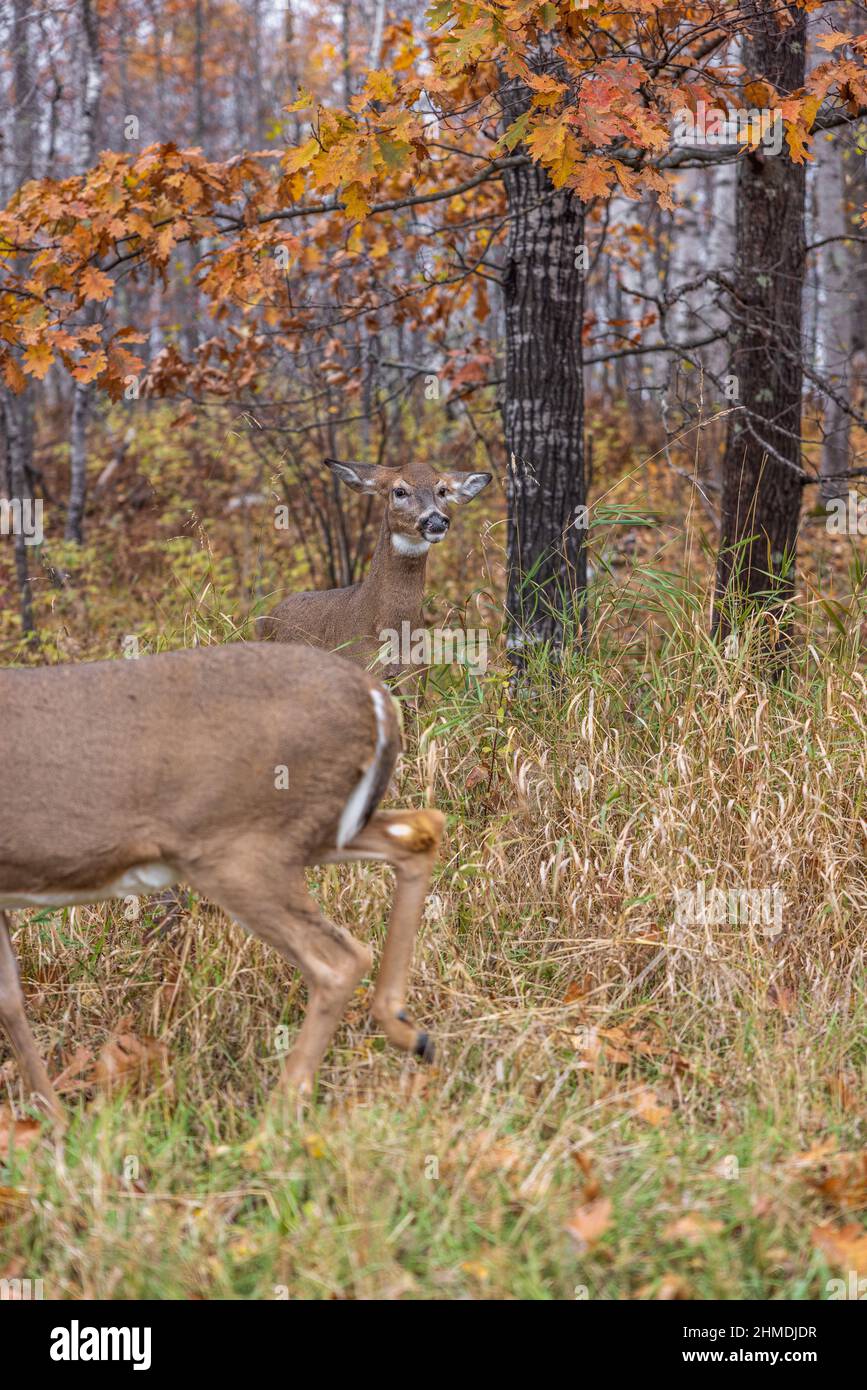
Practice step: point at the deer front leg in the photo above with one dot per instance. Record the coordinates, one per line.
(409, 841)
(14, 1020)
(333, 964)
(330, 959)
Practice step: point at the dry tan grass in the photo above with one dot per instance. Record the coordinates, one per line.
(588, 1054)
(622, 1106)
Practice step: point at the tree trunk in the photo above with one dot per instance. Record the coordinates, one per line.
(16, 411)
(14, 419)
(856, 191)
(291, 124)
(543, 404)
(830, 293)
(260, 102)
(78, 463)
(761, 499)
(837, 281)
(199, 75)
(375, 54)
(346, 50)
(83, 394)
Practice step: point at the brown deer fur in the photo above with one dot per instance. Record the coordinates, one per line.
(227, 768)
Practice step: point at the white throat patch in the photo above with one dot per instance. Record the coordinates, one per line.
(403, 545)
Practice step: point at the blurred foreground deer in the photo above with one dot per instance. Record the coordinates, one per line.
(227, 768)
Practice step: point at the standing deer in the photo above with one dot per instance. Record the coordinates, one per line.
(228, 768)
(418, 500)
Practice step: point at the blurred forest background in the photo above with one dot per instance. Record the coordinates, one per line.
(182, 349)
(239, 236)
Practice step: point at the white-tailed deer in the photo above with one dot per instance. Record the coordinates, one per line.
(418, 501)
(227, 768)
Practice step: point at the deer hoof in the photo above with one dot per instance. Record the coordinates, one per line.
(422, 1045)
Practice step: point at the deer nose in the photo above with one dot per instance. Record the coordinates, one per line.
(433, 524)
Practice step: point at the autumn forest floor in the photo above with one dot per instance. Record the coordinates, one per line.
(624, 1105)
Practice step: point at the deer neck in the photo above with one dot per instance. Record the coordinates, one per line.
(394, 587)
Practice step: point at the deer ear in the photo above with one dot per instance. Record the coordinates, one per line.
(465, 486)
(361, 477)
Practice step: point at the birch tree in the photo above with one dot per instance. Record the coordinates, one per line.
(91, 89)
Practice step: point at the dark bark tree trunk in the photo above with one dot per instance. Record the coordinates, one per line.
(543, 404)
(761, 499)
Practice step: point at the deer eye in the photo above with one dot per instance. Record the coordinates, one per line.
(400, 493)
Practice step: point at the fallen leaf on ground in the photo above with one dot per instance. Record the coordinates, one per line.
(648, 1108)
(12, 1201)
(589, 1223)
(780, 997)
(127, 1058)
(578, 989)
(18, 1133)
(845, 1088)
(692, 1228)
(843, 1246)
(493, 1155)
(843, 1180)
(820, 1153)
(71, 1078)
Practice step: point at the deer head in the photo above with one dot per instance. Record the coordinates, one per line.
(418, 499)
